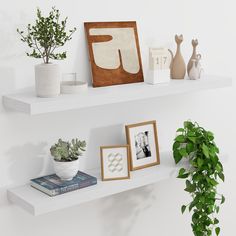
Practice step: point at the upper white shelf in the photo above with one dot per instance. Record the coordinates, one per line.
(38, 203)
(26, 101)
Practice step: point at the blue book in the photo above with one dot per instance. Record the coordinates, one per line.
(52, 185)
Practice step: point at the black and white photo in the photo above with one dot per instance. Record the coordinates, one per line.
(142, 138)
(142, 145)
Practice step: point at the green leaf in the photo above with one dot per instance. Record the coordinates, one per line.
(221, 175)
(177, 156)
(205, 150)
(182, 171)
(188, 124)
(180, 130)
(184, 176)
(183, 152)
(191, 188)
(176, 145)
(216, 221)
(200, 162)
(183, 208)
(217, 230)
(191, 206)
(180, 138)
(222, 200)
(218, 167)
(191, 134)
(189, 147)
(192, 139)
(214, 182)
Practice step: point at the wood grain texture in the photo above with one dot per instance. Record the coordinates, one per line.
(107, 77)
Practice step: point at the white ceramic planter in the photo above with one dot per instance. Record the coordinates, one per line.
(47, 80)
(66, 170)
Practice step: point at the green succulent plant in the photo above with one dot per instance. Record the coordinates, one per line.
(67, 151)
(202, 175)
(47, 35)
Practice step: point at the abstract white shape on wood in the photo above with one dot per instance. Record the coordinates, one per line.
(106, 54)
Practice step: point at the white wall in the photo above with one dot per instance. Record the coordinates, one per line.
(24, 140)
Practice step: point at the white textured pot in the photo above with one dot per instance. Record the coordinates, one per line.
(66, 170)
(47, 80)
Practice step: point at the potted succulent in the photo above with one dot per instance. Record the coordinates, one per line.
(204, 169)
(66, 157)
(44, 38)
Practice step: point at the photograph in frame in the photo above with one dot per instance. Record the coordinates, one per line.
(143, 141)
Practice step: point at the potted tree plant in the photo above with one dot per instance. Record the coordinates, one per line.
(44, 38)
(196, 145)
(66, 157)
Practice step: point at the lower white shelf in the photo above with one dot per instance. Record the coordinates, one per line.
(38, 203)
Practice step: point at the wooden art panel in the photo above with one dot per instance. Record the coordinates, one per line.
(114, 53)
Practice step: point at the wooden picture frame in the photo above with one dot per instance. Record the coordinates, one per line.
(108, 155)
(143, 142)
(114, 53)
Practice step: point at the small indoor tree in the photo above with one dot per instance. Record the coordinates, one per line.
(46, 36)
(202, 175)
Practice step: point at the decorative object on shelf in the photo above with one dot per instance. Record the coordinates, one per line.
(196, 70)
(114, 53)
(52, 185)
(196, 145)
(46, 36)
(194, 55)
(159, 66)
(66, 157)
(142, 138)
(115, 162)
(70, 85)
(177, 67)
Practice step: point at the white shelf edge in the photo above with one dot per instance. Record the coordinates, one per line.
(38, 203)
(25, 100)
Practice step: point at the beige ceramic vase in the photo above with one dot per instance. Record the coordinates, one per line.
(178, 67)
(194, 55)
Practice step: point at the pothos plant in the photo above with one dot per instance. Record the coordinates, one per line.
(46, 36)
(204, 170)
(64, 151)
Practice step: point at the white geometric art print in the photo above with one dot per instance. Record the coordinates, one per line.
(115, 162)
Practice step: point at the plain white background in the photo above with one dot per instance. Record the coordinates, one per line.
(25, 140)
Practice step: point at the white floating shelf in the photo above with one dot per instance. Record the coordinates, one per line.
(38, 203)
(26, 101)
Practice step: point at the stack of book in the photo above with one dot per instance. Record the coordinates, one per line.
(52, 185)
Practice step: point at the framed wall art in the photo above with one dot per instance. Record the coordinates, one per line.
(142, 138)
(115, 162)
(114, 53)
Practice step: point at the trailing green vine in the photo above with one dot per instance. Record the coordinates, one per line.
(202, 175)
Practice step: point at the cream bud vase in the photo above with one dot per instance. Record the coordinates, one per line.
(66, 170)
(47, 80)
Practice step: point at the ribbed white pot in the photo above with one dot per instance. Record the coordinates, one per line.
(47, 80)
(66, 170)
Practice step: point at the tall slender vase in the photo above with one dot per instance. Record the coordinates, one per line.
(194, 55)
(178, 67)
